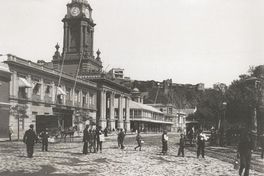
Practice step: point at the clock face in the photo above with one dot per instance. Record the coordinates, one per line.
(75, 11)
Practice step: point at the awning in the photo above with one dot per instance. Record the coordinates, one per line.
(191, 121)
(4, 104)
(151, 121)
(60, 91)
(22, 82)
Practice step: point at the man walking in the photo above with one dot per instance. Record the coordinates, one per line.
(85, 140)
(44, 139)
(139, 141)
(200, 145)
(92, 138)
(245, 146)
(164, 140)
(182, 145)
(121, 138)
(99, 138)
(29, 139)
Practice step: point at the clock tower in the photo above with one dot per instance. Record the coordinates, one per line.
(78, 40)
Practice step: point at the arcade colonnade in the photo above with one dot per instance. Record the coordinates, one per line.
(114, 111)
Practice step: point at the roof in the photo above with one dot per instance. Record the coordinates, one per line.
(151, 120)
(186, 111)
(136, 105)
(13, 60)
(4, 67)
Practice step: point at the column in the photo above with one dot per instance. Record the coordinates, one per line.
(81, 98)
(29, 90)
(53, 92)
(65, 39)
(15, 85)
(42, 90)
(72, 93)
(92, 33)
(127, 122)
(120, 123)
(81, 38)
(102, 120)
(112, 110)
(63, 96)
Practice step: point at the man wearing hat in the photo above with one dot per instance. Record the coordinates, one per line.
(29, 139)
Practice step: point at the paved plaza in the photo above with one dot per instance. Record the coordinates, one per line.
(66, 159)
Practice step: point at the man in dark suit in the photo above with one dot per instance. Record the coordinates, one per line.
(29, 139)
(182, 145)
(85, 139)
(121, 138)
(245, 147)
(164, 139)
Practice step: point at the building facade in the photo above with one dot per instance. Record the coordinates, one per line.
(148, 119)
(78, 59)
(5, 76)
(116, 73)
(177, 117)
(50, 99)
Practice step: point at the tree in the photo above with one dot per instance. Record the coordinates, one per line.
(209, 108)
(19, 111)
(241, 97)
(244, 96)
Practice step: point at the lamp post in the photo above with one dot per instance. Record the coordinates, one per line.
(222, 125)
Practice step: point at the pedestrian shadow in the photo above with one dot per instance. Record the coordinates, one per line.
(22, 156)
(101, 160)
(161, 159)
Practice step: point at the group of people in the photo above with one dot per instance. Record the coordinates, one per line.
(30, 138)
(244, 150)
(92, 139)
(200, 144)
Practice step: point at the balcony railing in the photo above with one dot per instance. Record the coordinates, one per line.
(77, 104)
(36, 98)
(68, 103)
(47, 99)
(84, 105)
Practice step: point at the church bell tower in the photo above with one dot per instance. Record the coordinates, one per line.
(78, 40)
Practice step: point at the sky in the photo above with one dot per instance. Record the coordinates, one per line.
(188, 41)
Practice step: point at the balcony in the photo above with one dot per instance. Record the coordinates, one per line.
(36, 98)
(59, 101)
(92, 106)
(47, 99)
(84, 105)
(68, 102)
(77, 104)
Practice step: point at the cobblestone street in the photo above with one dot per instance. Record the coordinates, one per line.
(66, 159)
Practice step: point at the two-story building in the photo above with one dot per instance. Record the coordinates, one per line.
(50, 98)
(5, 76)
(144, 117)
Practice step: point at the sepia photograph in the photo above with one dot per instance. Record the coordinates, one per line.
(131, 88)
